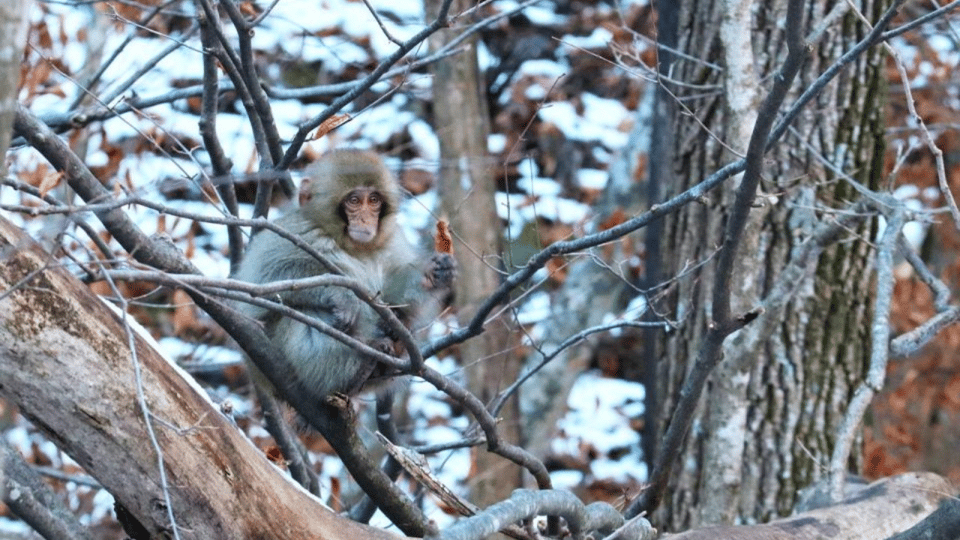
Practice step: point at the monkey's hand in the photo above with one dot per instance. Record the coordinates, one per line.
(344, 318)
(440, 273)
(386, 340)
(340, 310)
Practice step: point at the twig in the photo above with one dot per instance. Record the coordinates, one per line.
(208, 131)
(305, 128)
(498, 403)
(95, 78)
(927, 138)
(145, 409)
(376, 17)
(879, 349)
(145, 68)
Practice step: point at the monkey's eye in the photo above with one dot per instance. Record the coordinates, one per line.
(374, 198)
(353, 199)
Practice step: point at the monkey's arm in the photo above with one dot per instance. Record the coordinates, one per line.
(271, 258)
(417, 291)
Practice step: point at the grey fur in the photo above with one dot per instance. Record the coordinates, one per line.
(388, 267)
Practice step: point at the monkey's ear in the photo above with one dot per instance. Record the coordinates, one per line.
(305, 193)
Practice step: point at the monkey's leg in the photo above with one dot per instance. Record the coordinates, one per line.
(289, 443)
(361, 374)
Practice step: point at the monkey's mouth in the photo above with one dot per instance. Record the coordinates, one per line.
(362, 235)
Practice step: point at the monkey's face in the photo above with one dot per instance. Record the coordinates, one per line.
(361, 210)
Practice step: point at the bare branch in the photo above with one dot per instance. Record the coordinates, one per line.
(525, 504)
(32, 500)
(211, 142)
(146, 68)
(941, 293)
(94, 79)
(879, 351)
(501, 399)
(875, 36)
(261, 106)
(927, 138)
(910, 342)
(376, 17)
(919, 21)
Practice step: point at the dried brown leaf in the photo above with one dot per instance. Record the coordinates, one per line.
(443, 243)
(329, 125)
(49, 182)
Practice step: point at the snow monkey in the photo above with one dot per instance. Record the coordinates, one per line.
(347, 213)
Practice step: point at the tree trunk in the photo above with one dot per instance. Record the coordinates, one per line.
(73, 368)
(13, 36)
(467, 194)
(767, 418)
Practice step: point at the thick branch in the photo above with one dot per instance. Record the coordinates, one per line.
(31, 499)
(248, 334)
(526, 504)
(55, 332)
(942, 524)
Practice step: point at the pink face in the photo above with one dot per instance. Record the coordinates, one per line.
(362, 208)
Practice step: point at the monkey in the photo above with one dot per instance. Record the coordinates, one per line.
(347, 212)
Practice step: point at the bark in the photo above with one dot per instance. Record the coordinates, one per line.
(877, 511)
(944, 524)
(31, 499)
(13, 36)
(467, 195)
(68, 363)
(768, 414)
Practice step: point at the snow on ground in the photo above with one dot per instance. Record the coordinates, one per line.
(601, 410)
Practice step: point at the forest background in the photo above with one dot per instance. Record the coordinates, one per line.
(567, 118)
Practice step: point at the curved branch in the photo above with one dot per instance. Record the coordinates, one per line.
(525, 504)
